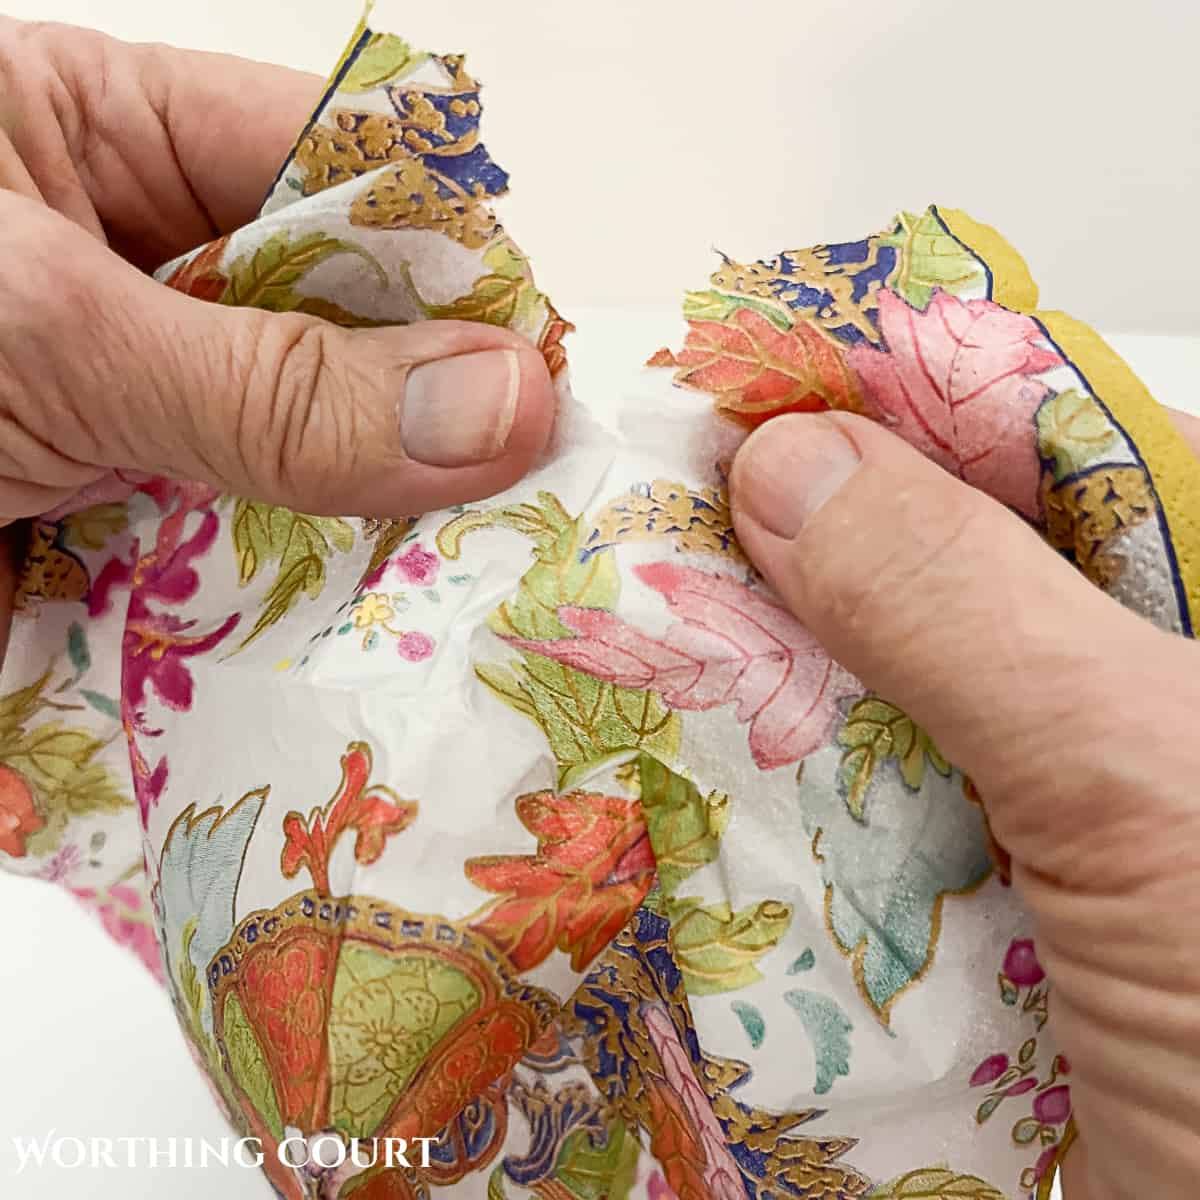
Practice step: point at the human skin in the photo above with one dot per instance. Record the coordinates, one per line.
(1073, 716)
(114, 159)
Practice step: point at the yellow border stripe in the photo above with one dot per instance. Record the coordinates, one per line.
(1174, 468)
(1012, 284)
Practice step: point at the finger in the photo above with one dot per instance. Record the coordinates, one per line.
(162, 149)
(1187, 425)
(282, 408)
(951, 607)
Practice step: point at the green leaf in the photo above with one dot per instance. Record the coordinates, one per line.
(266, 278)
(718, 306)
(17, 707)
(383, 59)
(717, 949)
(936, 1183)
(264, 534)
(752, 1021)
(494, 300)
(102, 704)
(93, 527)
(607, 1172)
(583, 718)
(685, 828)
(805, 962)
(248, 1064)
(1008, 990)
(874, 732)
(928, 257)
(1073, 432)
(1026, 1131)
(77, 649)
(829, 1032)
(60, 765)
(495, 1188)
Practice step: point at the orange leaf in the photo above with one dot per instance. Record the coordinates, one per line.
(757, 371)
(592, 870)
(201, 276)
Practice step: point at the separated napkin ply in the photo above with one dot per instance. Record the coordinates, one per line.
(540, 827)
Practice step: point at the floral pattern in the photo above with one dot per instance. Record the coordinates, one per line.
(528, 826)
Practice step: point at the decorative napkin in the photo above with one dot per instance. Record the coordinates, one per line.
(540, 827)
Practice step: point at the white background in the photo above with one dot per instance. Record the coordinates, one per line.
(642, 133)
(640, 136)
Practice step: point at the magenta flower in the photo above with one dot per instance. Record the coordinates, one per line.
(1021, 1087)
(157, 645)
(1053, 1107)
(989, 1070)
(418, 566)
(416, 647)
(1043, 1163)
(1021, 964)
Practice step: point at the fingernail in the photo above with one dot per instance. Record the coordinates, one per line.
(460, 411)
(789, 468)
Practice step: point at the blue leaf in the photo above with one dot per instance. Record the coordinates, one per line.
(828, 1030)
(102, 704)
(752, 1022)
(77, 648)
(805, 962)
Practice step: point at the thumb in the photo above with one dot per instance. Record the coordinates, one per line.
(113, 370)
(952, 608)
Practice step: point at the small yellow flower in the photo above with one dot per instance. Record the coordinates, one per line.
(374, 609)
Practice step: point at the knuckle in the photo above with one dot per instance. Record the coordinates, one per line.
(296, 425)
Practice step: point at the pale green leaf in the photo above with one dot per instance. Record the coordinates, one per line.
(929, 257)
(384, 59)
(1073, 432)
(717, 949)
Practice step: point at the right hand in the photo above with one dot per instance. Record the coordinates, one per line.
(1075, 718)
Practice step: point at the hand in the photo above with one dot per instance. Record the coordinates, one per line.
(116, 158)
(1075, 719)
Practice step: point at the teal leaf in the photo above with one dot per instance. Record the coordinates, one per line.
(752, 1021)
(459, 580)
(434, 595)
(829, 1031)
(77, 649)
(805, 962)
(102, 704)
(198, 879)
(371, 641)
(887, 880)
(345, 629)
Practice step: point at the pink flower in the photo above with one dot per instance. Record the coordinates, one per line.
(418, 566)
(1053, 1107)
(1021, 964)
(120, 912)
(416, 647)
(990, 1070)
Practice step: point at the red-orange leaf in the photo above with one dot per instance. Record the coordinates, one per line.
(593, 868)
(19, 817)
(201, 276)
(757, 371)
(374, 813)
